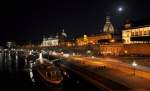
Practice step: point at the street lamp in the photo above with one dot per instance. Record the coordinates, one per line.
(134, 64)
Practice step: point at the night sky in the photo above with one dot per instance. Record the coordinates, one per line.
(24, 20)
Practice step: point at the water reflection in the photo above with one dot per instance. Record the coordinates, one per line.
(31, 76)
(16, 57)
(13, 65)
(16, 61)
(26, 62)
(8, 62)
(1, 61)
(56, 89)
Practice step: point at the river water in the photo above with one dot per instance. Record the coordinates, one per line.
(14, 76)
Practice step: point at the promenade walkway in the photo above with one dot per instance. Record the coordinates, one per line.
(116, 70)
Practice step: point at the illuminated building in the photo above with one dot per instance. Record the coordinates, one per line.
(50, 42)
(115, 49)
(59, 39)
(105, 37)
(136, 33)
(94, 39)
(10, 44)
(69, 43)
(108, 27)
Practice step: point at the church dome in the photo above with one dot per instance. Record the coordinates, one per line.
(63, 33)
(108, 27)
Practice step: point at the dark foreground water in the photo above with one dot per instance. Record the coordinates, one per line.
(13, 76)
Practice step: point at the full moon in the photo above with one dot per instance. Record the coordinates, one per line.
(120, 9)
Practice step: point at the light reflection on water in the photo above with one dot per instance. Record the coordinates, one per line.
(31, 76)
(8, 62)
(16, 62)
(11, 63)
(1, 61)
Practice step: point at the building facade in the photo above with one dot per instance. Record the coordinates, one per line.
(50, 42)
(58, 40)
(10, 44)
(113, 49)
(104, 37)
(94, 39)
(136, 34)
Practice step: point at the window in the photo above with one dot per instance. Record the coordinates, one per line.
(140, 32)
(132, 33)
(145, 32)
(136, 33)
(148, 32)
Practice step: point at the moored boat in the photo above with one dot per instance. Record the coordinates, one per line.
(49, 72)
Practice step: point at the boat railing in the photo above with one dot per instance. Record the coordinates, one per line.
(54, 75)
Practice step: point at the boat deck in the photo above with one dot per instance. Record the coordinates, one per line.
(49, 72)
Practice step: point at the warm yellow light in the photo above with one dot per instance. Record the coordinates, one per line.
(134, 64)
(112, 40)
(85, 38)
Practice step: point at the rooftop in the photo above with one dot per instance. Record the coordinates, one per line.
(138, 23)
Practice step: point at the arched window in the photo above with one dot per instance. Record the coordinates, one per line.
(132, 33)
(145, 32)
(136, 33)
(148, 32)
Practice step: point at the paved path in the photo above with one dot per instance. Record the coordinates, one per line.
(114, 73)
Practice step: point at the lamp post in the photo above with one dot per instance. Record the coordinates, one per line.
(134, 64)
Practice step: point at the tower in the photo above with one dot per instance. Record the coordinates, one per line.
(108, 27)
